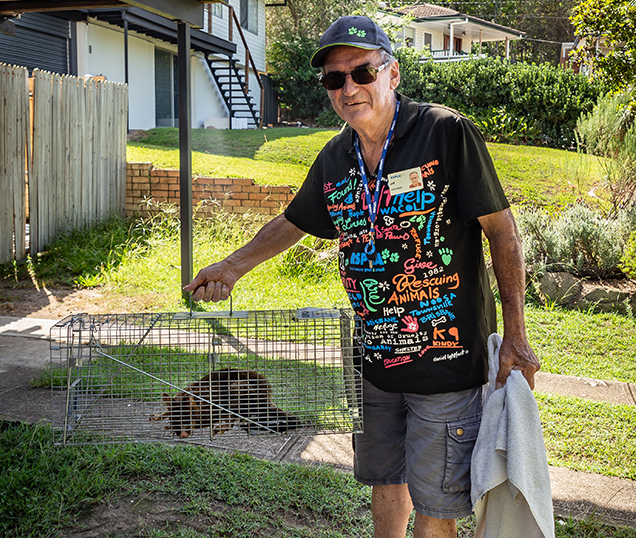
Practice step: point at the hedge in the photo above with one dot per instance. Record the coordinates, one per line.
(549, 99)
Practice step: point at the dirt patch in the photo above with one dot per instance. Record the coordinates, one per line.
(626, 285)
(57, 303)
(135, 135)
(137, 515)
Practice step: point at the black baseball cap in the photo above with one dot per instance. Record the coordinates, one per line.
(351, 31)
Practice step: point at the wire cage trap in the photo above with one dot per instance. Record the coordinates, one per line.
(200, 375)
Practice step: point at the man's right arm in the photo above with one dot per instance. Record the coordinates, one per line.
(215, 282)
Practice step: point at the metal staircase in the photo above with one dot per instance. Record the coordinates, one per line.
(232, 84)
(233, 80)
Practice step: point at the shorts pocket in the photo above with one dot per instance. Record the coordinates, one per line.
(460, 441)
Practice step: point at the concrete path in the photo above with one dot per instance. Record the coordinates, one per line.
(24, 352)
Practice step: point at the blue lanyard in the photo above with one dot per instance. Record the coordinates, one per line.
(372, 202)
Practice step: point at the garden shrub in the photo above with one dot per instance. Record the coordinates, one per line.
(548, 99)
(609, 131)
(579, 240)
(505, 128)
(628, 260)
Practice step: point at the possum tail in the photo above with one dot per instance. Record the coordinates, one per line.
(272, 418)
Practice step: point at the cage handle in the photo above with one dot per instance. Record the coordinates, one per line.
(230, 298)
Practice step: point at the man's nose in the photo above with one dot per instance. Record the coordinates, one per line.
(350, 87)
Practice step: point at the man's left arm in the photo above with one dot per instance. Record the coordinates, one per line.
(507, 259)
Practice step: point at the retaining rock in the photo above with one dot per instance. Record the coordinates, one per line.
(566, 290)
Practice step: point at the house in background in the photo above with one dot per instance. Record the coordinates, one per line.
(448, 34)
(134, 46)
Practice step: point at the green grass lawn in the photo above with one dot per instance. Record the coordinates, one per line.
(230, 143)
(544, 176)
(203, 164)
(282, 156)
(594, 437)
(571, 342)
(44, 488)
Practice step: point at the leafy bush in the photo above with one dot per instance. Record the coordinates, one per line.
(328, 118)
(609, 131)
(578, 240)
(295, 81)
(547, 98)
(500, 126)
(628, 260)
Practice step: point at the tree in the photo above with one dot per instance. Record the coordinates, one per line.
(308, 19)
(296, 82)
(614, 22)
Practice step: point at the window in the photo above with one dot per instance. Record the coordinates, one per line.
(217, 10)
(409, 37)
(249, 15)
(166, 89)
(428, 40)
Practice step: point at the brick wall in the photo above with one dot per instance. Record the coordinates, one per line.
(146, 183)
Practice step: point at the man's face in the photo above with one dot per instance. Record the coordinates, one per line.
(360, 105)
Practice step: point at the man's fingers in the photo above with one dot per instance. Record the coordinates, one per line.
(504, 373)
(198, 293)
(212, 291)
(198, 280)
(529, 378)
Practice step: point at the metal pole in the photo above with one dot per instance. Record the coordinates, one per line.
(123, 16)
(185, 151)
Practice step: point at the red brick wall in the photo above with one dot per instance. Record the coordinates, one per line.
(146, 183)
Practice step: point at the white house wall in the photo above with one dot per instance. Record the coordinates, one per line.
(141, 94)
(105, 53)
(101, 52)
(207, 102)
(255, 41)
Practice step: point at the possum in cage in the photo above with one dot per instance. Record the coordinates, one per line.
(236, 392)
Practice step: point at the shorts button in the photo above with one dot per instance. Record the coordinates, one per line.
(460, 431)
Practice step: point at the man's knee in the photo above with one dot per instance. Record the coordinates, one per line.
(429, 527)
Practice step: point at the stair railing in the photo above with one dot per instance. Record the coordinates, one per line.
(248, 57)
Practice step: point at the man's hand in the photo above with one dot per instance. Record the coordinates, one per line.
(215, 282)
(212, 283)
(516, 355)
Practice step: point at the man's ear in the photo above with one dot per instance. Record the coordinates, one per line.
(395, 75)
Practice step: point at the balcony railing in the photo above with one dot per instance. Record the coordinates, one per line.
(453, 56)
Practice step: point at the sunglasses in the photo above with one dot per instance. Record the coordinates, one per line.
(365, 74)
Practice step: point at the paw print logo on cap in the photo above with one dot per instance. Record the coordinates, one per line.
(354, 31)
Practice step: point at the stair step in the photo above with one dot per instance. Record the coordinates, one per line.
(230, 81)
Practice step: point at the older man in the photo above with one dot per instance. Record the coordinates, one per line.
(412, 264)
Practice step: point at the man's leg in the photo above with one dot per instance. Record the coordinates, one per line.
(428, 527)
(391, 507)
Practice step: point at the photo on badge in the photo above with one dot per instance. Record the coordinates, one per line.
(405, 181)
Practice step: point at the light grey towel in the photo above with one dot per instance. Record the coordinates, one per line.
(510, 482)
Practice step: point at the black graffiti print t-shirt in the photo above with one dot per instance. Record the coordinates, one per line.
(419, 282)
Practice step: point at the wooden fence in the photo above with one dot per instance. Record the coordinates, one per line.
(14, 138)
(75, 158)
(78, 172)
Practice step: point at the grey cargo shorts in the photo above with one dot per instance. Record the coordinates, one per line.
(425, 441)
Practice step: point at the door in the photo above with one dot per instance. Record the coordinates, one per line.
(166, 89)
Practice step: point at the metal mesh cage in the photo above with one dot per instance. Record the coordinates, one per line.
(197, 376)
